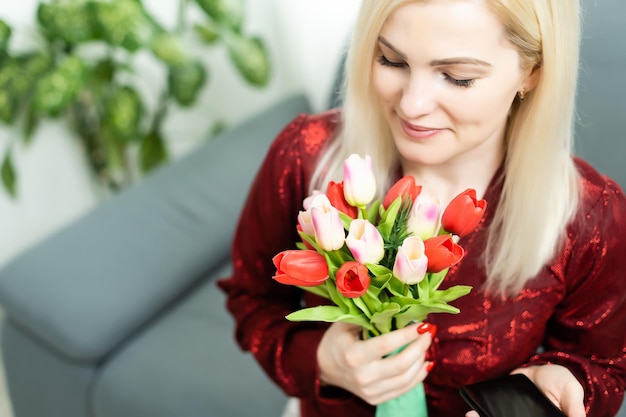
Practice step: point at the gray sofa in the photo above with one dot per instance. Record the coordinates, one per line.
(117, 315)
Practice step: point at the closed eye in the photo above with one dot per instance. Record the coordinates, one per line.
(467, 83)
(382, 60)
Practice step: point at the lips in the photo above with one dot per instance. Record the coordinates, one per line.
(419, 132)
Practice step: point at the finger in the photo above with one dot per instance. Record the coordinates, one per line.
(381, 346)
(412, 356)
(572, 400)
(394, 387)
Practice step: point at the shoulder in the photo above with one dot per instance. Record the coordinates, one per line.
(307, 134)
(594, 236)
(599, 192)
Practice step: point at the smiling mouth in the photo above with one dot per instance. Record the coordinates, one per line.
(418, 132)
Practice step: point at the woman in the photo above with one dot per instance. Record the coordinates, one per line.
(459, 94)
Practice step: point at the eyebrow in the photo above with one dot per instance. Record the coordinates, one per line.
(437, 62)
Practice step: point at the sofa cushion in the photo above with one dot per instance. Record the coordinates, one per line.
(85, 289)
(186, 364)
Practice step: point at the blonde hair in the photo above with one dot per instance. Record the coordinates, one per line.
(541, 186)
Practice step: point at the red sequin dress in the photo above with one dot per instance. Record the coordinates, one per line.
(575, 308)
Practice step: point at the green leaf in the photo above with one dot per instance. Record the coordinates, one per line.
(122, 23)
(383, 320)
(329, 314)
(153, 152)
(5, 35)
(31, 121)
(320, 290)
(410, 314)
(361, 305)
(250, 58)
(70, 22)
(340, 301)
(378, 269)
(57, 89)
(345, 220)
(209, 32)
(123, 112)
(9, 177)
(373, 211)
(168, 49)
(435, 279)
(452, 293)
(388, 218)
(185, 82)
(227, 13)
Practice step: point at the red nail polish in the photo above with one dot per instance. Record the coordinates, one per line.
(423, 328)
(430, 366)
(432, 330)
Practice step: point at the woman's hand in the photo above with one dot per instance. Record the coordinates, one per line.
(558, 384)
(360, 366)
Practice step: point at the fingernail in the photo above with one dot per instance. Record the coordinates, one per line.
(423, 328)
(432, 330)
(430, 366)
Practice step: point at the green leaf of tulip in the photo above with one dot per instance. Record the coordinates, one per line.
(452, 293)
(383, 320)
(329, 314)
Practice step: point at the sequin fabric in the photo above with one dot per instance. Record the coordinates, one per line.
(575, 309)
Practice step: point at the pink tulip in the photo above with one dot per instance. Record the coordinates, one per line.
(329, 232)
(424, 217)
(306, 203)
(365, 242)
(411, 262)
(305, 221)
(359, 183)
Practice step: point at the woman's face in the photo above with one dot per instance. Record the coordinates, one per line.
(446, 77)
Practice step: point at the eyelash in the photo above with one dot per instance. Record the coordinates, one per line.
(382, 60)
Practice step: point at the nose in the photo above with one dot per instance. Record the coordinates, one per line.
(418, 97)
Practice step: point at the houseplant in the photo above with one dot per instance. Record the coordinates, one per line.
(83, 70)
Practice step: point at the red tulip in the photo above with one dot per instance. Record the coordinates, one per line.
(463, 213)
(442, 252)
(405, 186)
(305, 268)
(338, 200)
(352, 279)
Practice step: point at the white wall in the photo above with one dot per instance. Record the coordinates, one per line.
(305, 40)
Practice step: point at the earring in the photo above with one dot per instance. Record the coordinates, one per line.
(521, 94)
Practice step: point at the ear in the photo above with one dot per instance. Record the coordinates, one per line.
(532, 79)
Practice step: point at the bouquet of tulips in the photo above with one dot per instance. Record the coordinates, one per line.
(380, 263)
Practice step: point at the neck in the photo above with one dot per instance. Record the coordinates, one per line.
(447, 181)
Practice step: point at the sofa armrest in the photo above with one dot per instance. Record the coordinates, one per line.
(88, 287)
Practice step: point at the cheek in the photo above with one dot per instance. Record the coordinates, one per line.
(386, 84)
(487, 107)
